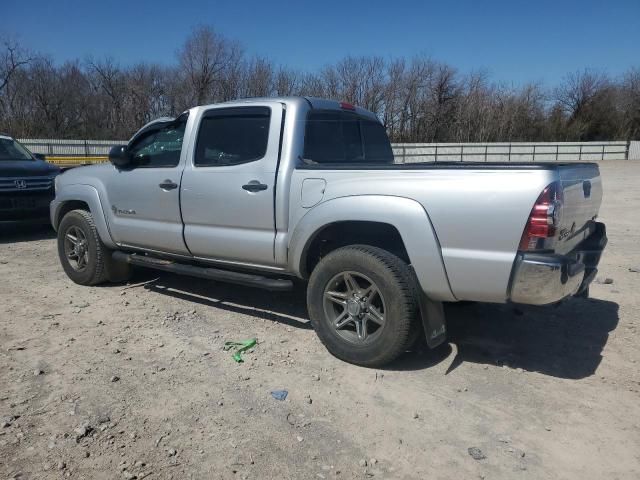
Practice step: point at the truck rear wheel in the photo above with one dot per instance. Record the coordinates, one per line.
(84, 258)
(362, 304)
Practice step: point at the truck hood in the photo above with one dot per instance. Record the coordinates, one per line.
(27, 168)
(85, 174)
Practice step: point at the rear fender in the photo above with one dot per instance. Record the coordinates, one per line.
(406, 215)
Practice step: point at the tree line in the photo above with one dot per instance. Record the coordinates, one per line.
(418, 99)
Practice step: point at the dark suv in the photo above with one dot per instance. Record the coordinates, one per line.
(26, 183)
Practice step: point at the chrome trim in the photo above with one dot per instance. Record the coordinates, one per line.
(539, 281)
(31, 184)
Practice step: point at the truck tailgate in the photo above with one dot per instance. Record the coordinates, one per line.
(582, 194)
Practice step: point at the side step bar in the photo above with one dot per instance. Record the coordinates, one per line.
(248, 279)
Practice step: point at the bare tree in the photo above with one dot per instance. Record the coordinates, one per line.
(109, 83)
(629, 102)
(286, 82)
(581, 98)
(418, 99)
(258, 78)
(205, 59)
(444, 91)
(12, 58)
(146, 94)
(578, 89)
(13, 61)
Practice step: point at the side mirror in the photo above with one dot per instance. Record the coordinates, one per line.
(39, 156)
(119, 156)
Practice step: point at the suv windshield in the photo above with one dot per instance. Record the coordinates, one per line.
(333, 136)
(12, 150)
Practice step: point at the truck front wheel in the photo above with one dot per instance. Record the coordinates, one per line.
(84, 258)
(362, 304)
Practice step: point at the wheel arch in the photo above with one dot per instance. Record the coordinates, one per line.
(338, 234)
(82, 197)
(404, 222)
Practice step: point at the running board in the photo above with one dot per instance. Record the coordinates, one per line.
(248, 279)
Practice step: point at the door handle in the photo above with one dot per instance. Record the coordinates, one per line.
(168, 185)
(254, 186)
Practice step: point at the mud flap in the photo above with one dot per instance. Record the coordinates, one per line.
(433, 320)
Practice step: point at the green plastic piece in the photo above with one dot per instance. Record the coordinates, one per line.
(240, 347)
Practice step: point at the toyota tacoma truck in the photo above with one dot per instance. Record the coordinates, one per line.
(262, 192)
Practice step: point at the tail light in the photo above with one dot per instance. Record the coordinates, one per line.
(543, 220)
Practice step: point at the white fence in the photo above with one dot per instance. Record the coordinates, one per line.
(514, 152)
(410, 152)
(634, 151)
(70, 148)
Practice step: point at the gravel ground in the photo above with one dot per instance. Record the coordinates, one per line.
(132, 381)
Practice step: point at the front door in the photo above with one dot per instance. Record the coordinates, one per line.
(144, 199)
(228, 186)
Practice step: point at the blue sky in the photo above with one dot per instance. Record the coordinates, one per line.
(515, 41)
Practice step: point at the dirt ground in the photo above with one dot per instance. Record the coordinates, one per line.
(132, 381)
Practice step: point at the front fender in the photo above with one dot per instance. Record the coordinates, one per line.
(406, 215)
(89, 195)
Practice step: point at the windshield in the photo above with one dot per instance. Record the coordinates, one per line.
(12, 150)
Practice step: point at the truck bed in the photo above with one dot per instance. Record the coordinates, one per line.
(478, 211)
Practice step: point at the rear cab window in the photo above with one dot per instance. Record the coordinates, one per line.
(338, 137)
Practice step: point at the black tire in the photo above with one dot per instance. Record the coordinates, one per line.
(396, 284)
(97, 265)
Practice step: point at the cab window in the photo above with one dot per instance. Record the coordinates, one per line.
(159, 146)
(334, 136)
(232, 136)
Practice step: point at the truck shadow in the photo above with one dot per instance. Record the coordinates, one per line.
(564, 341)
(25, 232)
(288, 308)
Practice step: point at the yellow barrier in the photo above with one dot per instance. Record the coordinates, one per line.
(76, 160)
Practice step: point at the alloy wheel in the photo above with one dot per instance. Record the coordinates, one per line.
(76, 248)
(355, 307)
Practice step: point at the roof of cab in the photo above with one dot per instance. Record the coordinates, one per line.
(310, 102)
(313, 102)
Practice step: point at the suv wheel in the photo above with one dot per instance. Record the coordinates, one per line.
(84, 258)
(362, 303)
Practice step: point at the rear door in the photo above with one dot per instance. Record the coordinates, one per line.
(228, 184)
(143, 200)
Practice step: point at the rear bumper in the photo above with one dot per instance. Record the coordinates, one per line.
(540, 279)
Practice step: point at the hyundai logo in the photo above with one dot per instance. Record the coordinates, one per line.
(20, 184)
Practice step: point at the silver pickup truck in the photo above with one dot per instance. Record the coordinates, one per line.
(260, 192)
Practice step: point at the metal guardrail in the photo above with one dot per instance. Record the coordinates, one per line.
(501, 152)
(70, 148)
(82, 152)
